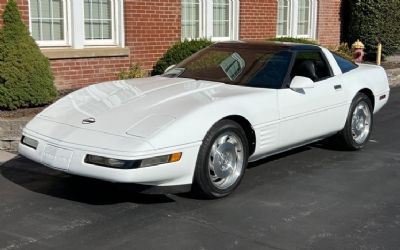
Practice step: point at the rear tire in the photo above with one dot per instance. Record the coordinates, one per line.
(358, 128)
(221, 161)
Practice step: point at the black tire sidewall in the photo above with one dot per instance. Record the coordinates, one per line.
(347, 133)
(202, 179)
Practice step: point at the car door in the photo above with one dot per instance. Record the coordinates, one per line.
(310, 113)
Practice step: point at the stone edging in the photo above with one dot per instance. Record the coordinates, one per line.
(10, 133)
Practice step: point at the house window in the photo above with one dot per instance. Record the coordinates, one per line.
(296, 18)
(213, 19)
(283, 18)
(99, 21)
(190, 19)
(48, 21)
(76, 23)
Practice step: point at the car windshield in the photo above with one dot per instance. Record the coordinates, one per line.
(236, 66)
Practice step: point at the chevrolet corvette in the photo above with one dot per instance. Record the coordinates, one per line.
(198, 125)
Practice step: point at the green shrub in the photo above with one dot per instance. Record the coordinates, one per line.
(134, 71)
(178, 52)
(371, 21)
(343, 50)
(26, 79)
(294, 40)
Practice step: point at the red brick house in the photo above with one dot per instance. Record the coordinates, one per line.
(89, 41)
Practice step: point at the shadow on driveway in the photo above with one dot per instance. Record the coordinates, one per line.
(41, 179)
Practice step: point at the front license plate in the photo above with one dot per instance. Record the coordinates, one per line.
(57, 157)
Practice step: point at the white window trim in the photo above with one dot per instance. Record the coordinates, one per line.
(50, 43)
(206, 21)
(74, 32)
(293, 20)
(114, 29)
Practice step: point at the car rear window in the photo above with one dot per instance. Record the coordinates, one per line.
(344, 64)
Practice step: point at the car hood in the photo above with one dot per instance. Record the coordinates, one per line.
(136, 107)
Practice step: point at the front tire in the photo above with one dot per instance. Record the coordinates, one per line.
(358, 128)
(222, 160)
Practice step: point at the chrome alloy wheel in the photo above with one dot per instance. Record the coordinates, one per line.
(226, 160)
(361, 122)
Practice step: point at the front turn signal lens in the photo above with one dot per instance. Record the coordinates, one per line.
(175, 157)
(150, 162)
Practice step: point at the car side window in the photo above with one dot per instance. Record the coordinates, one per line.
(311, 64)
(272, 73)
(344, 64)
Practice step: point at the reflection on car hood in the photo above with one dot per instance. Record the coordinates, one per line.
(118, 106)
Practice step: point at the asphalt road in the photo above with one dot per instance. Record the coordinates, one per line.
(315, 197)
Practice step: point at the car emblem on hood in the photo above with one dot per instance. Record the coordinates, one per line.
(88, 120)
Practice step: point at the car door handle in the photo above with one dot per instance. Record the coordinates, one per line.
(338, 87)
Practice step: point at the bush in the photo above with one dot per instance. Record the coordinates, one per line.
(343, 50)
(178, 52)
(134, 71)
(26, 79)
(294, 40)
(371, 21)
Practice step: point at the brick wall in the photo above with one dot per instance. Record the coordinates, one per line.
(151, 27)
(257, 19)
(328, 30)
(76, 73)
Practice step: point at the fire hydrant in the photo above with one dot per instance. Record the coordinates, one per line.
(358, 51)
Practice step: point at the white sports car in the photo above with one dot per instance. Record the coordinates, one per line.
(199, 124)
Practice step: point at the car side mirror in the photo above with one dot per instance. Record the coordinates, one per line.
(300, 82)
(169, 67)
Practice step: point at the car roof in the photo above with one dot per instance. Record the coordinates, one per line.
(268, 45)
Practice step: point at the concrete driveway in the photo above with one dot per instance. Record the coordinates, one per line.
(315, 197)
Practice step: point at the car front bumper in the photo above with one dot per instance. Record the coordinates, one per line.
(70, 157)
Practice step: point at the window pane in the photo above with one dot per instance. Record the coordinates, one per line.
(190, 19)
(105, 9)
(46, 30)
(58, 30)
(47, 20)
(86, 6)
(45, 8)
(36, 29)
(107, 29)
(57, 8)
(96, 10)
(96, 27)
(98, 19)
(34, 8)
(221, 18)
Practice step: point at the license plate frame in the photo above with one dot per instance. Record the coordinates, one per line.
(57, 157)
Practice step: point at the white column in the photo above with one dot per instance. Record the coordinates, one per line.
(235, 19)
(293, 21)
(208, 14)
(314, 19)
(120, 28)
(77, 24)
